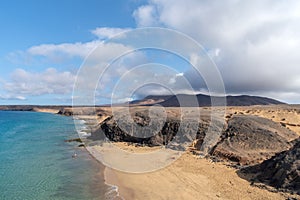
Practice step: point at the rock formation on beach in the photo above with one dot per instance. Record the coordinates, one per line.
(152, 132)
(282, 171)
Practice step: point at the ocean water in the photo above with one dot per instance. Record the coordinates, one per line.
(36, 163)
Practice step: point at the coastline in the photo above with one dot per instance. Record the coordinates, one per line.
(189, 177)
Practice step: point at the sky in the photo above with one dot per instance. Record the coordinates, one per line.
(45, 45)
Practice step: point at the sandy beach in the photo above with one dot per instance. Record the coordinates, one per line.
(189, 177)
(192, 177)
(46, 110)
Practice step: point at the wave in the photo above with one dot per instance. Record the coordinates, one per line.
(112, 192)
(82, 128)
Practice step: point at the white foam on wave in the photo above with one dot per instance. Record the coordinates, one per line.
(113, 192)
(84, 134)
(81, 127)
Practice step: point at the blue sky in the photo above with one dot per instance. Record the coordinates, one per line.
(33, 22)
(254, 44)
(29, 23)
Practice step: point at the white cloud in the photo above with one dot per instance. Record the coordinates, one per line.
(107, 32)
(49, 81)
(254, 43)
(146, 15)
(78, 49)
(100, 74)
(66, 49)
(12, 97)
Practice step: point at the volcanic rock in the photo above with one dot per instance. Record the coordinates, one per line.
(282, 171)
(252, 139)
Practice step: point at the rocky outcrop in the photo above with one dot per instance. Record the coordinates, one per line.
(110, 129)
(74, 140)
(78, 111)
(153, 132)
(244, 140)
(251, 139)
(65, 111)
(281, 171)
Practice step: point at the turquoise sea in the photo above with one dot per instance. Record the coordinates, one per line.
(36, 163)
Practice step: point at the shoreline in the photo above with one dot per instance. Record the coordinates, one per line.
(110, 179)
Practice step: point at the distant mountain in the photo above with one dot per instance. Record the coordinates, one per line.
(185, 100)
